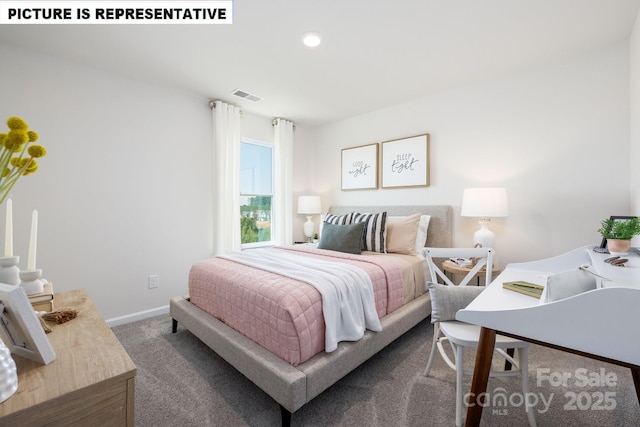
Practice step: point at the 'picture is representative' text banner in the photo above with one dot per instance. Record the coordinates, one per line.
(116, 12)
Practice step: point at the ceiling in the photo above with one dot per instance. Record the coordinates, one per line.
(374, 53)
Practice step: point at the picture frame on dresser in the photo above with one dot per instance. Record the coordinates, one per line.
(360, 167)
(405, 162)
(20, 327)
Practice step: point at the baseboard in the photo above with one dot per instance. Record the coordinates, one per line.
(141, 315)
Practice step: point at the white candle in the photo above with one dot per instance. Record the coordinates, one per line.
(8, 230)
(33, 242)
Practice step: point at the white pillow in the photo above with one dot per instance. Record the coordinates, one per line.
(421, 238)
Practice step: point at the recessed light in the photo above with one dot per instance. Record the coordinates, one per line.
(312, 39)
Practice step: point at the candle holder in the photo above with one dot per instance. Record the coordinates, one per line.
(31, 281)
(9, 271)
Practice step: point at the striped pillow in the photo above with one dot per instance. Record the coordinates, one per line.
(374, 238)
(339, 219)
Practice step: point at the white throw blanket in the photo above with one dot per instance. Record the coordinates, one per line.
(348, 303)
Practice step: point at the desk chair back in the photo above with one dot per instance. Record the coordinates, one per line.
(483, 257)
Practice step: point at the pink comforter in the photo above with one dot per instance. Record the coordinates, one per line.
(279, 313)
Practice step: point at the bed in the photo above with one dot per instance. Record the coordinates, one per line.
(292, 384)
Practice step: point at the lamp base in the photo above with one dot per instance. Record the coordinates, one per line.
(309, 227)
(484, 236)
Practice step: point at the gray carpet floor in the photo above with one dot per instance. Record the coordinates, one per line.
(181, 382)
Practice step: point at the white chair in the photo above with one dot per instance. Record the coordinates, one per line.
(446, 300)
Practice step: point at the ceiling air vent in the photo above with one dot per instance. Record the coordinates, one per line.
(246, 95)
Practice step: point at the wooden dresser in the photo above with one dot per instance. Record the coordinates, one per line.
(91, 382)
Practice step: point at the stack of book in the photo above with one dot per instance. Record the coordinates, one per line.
(525, 288)
(43, 301)
(461, 262)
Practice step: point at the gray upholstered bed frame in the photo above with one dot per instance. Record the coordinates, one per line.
(294, 386)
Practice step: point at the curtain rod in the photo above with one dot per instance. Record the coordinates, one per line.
(275, 122)
(212, 105)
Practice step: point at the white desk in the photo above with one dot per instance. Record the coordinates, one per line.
(609, 316)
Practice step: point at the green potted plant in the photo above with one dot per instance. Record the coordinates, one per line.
(619, 233)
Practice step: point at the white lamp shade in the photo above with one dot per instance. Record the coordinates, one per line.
(485, 202)
(309, 205)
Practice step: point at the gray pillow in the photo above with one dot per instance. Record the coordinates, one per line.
(447, 300)
(342, 238)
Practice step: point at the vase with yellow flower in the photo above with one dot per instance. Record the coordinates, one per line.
(18, 157)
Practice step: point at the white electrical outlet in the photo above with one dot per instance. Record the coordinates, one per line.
(154, 281)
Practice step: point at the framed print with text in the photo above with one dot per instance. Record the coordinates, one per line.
(360, 167)
(405, 162)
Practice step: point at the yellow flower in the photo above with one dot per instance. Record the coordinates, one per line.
(16, 123)
(15, 139)
(32, 167)
(37, 151)
(14, 146)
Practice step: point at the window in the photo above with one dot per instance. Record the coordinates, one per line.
(256, 192)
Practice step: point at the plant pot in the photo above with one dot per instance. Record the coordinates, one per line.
(618, 247)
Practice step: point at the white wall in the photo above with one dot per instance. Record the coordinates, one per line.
(123, 192)
(557, 136)
(634, 157)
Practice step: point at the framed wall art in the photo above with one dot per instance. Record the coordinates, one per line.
(360, 167)
(405, 162)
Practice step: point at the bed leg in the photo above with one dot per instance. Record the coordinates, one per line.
(286, 417)
(174, 326)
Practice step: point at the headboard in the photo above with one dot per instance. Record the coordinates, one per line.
(439, 234)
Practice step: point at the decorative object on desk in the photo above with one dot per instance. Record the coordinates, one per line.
(20, 328)
(617, 232)
(484, 203)
(309, 206)
(525, 288)
(616, 261)
(8, 373)
(360, 168)
(31, 281)
(17, 156)
(405, 162)
(60, 316)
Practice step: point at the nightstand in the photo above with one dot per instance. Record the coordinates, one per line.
(457, 271)
(91, 382)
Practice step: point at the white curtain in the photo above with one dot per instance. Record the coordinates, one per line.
(283, 182)
(226, 176)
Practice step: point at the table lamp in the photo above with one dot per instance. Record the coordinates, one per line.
(309, 205)
(484, 203)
